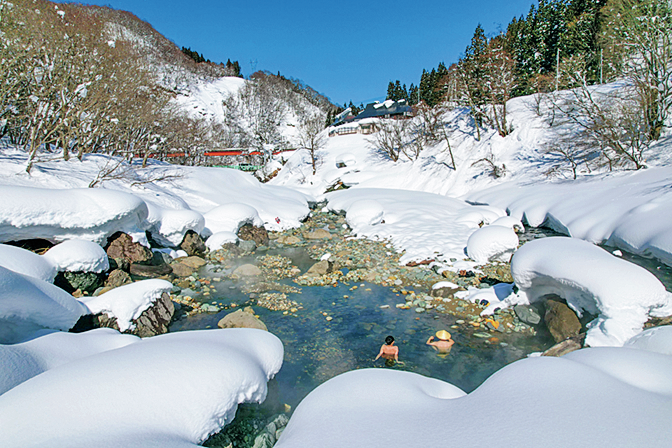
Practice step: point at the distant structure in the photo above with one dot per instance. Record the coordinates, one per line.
(347, 123)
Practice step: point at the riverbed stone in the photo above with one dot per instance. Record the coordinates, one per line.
(527, 314)
(186, 266)
(288, 240)
(153, 321)
(320, 268)
(83, 281)
(247, 245)
(242, 319)
(567, 346)
(247, 270)
(561, 321)
(317, 234)
(143, 270)
(118, 278)
(193, 244)
(121, 245)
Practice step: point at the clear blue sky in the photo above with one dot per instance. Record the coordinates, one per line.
(346, 50)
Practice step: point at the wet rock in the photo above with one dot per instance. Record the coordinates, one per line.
(193, 244)
(247, 270)
(247, 246)
(121, 246)
(83, 281)
(317, 234)
(160, 258)
(153, 321)
(117, 278)
(242, 319)
(561, 321)
(566, 346)
(142, 270)
(527, 314)
(446, 291)
(259, 235)
(288, 240)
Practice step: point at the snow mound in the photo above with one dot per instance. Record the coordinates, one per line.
(28, 304)
(230, 218)
(127, 302)
(215, 242)
(168, 226)
(346, 160)
(27, 263)
(542, 397)
(366, 212)
(78, 256)
(170, 391)
(58, 215)
(657, 339)
(20, 362)
(509, 221)
(622, 294)
(492, 243)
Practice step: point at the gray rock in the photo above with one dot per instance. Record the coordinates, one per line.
(247, 246)
(241, 319)
(118, 278)
(561, 321)
(247, 270)
(153, 321)
(527, 314)
(143, 270)
(318, 234)
(320, 268)
(288, 239)
(264, 440)
(564, 347)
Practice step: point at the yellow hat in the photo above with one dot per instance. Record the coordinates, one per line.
(443, 334)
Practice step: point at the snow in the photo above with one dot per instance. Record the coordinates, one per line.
(657, 339)
(621, 294)
(426, 226)
(509, 221)
(27, 263)
(593, 397)
(215, 241)
(28, 304)
(230, 218)
(169, 226)
(171, 391)
(49, 349)
(78, 256)
(492, 243)
(127, 302)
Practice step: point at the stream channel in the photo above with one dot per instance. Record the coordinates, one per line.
(336, 322)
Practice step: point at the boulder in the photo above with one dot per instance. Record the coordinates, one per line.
(242, 319)
(153, 321)
(566, 346)
(318, 234)
(186, 266)
(118, 278)
(193, 244)
(247, 270)
(121, 245)
(527, 314)
(288, 240)
(320, 268)
(247, 245)
(83, 281)
(259, 235)
(561, 321)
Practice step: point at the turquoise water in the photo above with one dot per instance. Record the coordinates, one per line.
(317, 350)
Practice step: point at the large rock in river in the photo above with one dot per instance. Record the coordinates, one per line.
(259, 235)
(561, 321)
(121, 246)
(242, 319)
(247, 270)
(153, 321)
(193, 244)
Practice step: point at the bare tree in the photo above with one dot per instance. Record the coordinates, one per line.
(311, 137)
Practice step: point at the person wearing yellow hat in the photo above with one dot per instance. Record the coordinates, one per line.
(443, 344)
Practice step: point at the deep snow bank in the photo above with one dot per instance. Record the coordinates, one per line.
(597, 397)
(136, 400)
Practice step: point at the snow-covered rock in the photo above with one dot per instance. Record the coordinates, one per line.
(28, 304)
(127, 302)
(492, 243)
(215, 241)
(365, 212)
(509, 221)
(168, 226)
(621, 294)
(657, 339)
(230, 218)
(27, 263)
(78, 256)
(49, 349)
(170, 391)
(58, 215)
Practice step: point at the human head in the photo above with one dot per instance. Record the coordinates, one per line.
(443, 334)
(389, 340)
